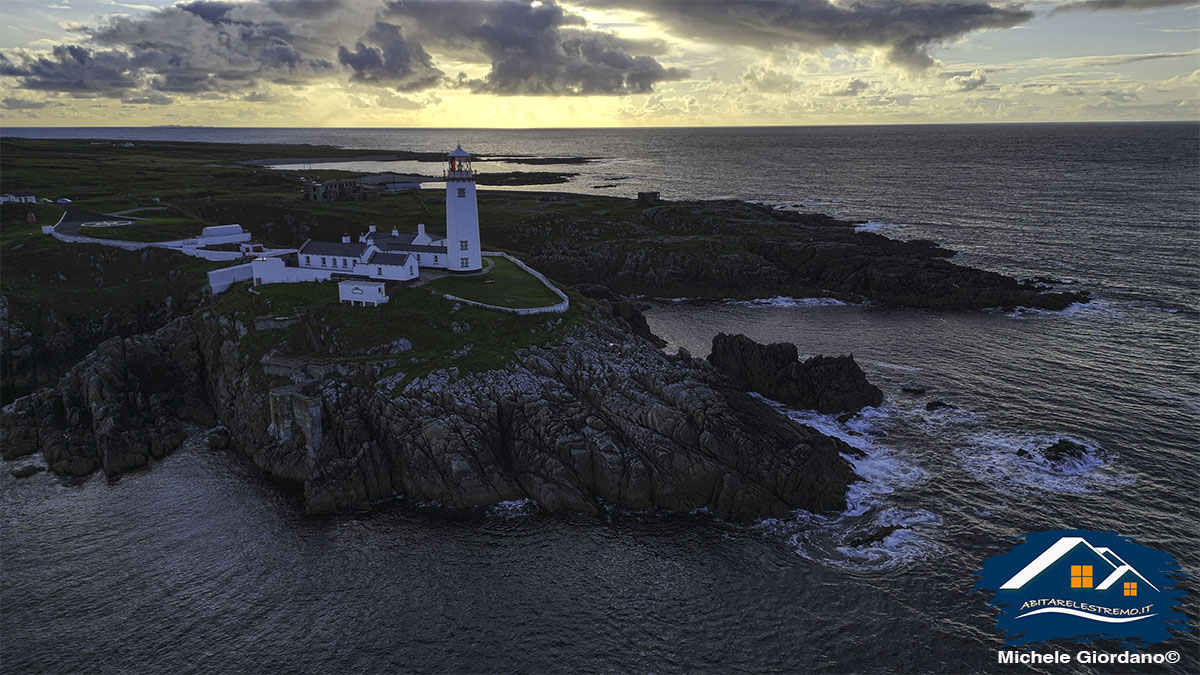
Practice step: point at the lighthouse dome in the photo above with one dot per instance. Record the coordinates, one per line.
(459, 152)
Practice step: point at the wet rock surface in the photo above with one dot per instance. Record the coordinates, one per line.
(827, 384)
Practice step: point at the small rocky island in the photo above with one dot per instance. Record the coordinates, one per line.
(110, 358)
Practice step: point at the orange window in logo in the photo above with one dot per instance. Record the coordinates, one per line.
(1081, 576)
(1130, 588)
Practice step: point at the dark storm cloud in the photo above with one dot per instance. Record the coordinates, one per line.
(204, 48)
(536, 49)
(1118, 5)
(14, 103)
(906, 28)
(190, 48)
(305, 9)
(73, 69)
(387, 58)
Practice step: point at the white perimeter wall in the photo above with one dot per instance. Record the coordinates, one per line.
(273, 271)
(220, 280)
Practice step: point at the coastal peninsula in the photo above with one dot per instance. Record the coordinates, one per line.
(112, 357)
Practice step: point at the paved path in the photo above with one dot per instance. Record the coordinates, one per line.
(74, 217)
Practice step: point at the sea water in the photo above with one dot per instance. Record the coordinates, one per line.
(201, 562)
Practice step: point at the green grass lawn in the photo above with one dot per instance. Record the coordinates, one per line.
(151, 229)
(14, 217)
(505, 285)
(423, 317)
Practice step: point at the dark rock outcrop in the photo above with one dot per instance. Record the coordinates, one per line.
(938, 405)
(1061, 451)
(600, 418)
(728, 249)
(632, 315)
(827, 384)
(129, 401)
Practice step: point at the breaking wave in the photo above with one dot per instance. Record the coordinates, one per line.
(992, 458)
(784, 301)
(871, 534)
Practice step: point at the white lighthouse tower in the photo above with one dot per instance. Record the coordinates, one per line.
(462, 214)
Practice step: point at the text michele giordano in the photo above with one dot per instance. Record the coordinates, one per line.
(1085, 657)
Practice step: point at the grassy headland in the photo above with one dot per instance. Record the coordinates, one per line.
(468, 338)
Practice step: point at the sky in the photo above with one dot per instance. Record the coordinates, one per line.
(595, 63)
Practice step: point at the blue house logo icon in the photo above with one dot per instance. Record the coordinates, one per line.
(1082, 585)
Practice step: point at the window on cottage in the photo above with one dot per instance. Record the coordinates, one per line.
(1130, 588)
(1081, 576)
(379, 271)
(435, 260)
(307, 260)
(464, 262)
(322, 261)
(462, 245)
(462, 192)
(344, 263)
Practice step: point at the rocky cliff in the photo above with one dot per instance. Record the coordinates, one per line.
(736, 250)
(827, 384)
(599, 418)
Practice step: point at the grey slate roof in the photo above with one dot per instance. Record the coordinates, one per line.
(415, 248)
(380, 238)
(351, 250)
(398, 259)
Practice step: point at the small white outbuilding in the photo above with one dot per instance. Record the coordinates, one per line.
(362, 293)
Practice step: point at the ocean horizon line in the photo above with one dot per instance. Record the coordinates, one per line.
(6, 128)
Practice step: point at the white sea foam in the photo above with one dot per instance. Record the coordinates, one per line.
(827, 538)
(991, 457)
(513, 508)
(1076, 310)
(874, 226)
(784, 301)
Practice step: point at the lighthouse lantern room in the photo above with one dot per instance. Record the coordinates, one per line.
(462, 214)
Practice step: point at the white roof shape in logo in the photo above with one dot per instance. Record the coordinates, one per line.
(1061, 548)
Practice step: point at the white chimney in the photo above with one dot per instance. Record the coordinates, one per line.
(345, 239)
(395, 232)
(421, 230)
(370, 228)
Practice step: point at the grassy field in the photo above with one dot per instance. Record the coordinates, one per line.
(505, 285)
(14, 218)
(329, 329)
(150, 229)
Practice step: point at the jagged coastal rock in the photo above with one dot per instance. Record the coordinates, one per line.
(601, 418)
(827, 384)
(733, 249)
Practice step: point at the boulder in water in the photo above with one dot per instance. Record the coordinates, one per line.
(27, 470)
(827, 384)
(1064, 450)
